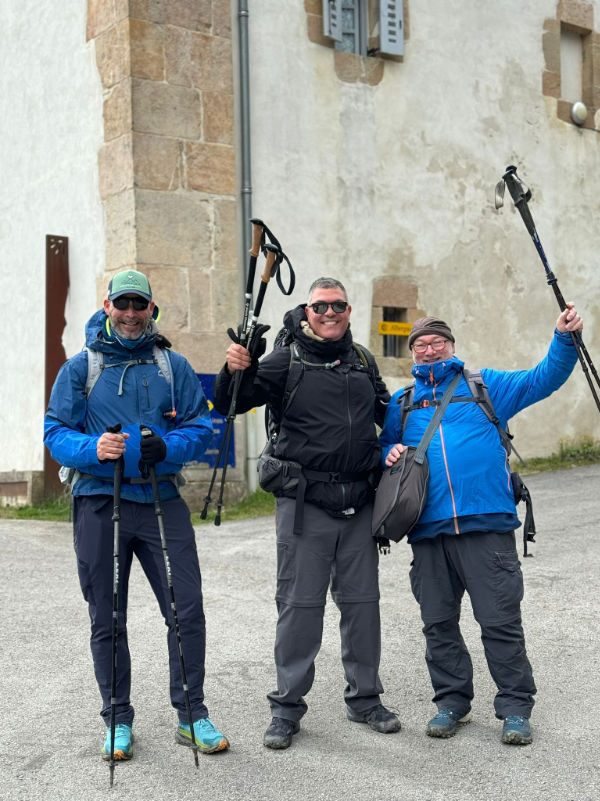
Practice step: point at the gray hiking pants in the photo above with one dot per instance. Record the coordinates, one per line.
(340, 553)
(487, 566)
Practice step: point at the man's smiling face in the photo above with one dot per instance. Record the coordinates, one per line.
(128, 323)
(331, 324)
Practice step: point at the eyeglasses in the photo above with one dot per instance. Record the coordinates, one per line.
(122, 303)
(321, 306)
(436, 344)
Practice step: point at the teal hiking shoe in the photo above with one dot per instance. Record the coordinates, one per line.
(123, 742)
(445, 723)
(208, 738)
(516, 730)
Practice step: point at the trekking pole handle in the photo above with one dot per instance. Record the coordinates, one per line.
(257, 231)
(272, 253)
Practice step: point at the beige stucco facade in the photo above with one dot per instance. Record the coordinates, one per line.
(379, 171)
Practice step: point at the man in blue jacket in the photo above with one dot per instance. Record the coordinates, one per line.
(128, 376)
(465, 537)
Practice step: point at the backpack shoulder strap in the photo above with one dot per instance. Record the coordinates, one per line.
(480, 393)
(95, 367)
(295, 371)
(406, 400)
(368, 361)
(161, 357)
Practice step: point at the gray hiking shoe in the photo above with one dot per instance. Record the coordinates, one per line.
(377, 718)
(280, 732)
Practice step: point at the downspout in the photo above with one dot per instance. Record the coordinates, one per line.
(246, 198)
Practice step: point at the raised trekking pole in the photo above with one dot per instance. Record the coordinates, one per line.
(147, 432)
(246, 331)
(116, 518)
(521, 196)
(257, 234)
(272, 253)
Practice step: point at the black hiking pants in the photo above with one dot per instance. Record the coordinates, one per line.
(487, 566)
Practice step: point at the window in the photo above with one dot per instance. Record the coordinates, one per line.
(571, 61)
(365, 27)
(395, 345)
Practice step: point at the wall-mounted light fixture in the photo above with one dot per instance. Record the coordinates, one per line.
(579, 112)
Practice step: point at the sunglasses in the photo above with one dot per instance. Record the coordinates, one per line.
(321, 306)
(122, 303)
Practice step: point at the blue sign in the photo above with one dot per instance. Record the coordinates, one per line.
(219, 424)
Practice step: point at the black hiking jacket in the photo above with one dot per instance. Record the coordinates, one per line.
(328, 423)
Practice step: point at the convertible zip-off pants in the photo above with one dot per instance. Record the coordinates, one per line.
(340, 553)
(487, 566)
(93, 539)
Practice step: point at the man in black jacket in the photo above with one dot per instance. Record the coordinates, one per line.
(323, 517)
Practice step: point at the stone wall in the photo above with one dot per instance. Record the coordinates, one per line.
(167, 166)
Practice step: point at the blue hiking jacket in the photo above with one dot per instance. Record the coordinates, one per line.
(470, 487)
(130, 394)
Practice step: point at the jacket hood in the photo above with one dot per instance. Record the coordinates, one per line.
(100, 336)
(326, 349)
(438, 372)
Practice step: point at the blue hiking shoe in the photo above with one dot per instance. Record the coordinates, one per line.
(516, 730)
(445, 723)
(123, 742)
(208, 738)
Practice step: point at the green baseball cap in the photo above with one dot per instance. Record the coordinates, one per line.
(129, 281)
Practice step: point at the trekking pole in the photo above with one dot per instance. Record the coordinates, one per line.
(260, 233)
(521, 195)
(272, 253)
(116, 518)
(257, 234)
(147, 432)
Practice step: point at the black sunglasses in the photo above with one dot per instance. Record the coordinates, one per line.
(321, 306)
(122, 303)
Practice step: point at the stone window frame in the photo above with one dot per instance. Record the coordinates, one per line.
(351, 67)
(573, 16)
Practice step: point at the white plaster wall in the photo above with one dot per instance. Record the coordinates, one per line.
(50, 131)
(398, 179)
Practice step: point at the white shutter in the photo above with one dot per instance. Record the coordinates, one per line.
(391, 25)
(332, 19)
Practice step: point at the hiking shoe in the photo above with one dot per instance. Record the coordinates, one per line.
(516, 730)
(208, 738)
(280, 732)
(445, 723)
(123, 742)
(378, 718)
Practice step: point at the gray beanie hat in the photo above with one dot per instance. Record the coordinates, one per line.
(426, 326)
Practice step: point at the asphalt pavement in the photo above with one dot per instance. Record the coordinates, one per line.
(52, 732)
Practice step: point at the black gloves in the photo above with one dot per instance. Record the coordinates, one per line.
(153, 449)
(258, 345)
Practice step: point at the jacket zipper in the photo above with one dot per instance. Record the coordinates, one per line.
(443, 444)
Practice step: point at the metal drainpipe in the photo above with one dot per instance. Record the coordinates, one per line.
(246, 174)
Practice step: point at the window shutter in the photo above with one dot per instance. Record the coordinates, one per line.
(332, 19)
(391, 25)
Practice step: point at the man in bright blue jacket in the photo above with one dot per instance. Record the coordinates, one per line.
(128, 376)
(465, 538)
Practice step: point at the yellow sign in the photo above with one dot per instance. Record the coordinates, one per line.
(395, 329)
